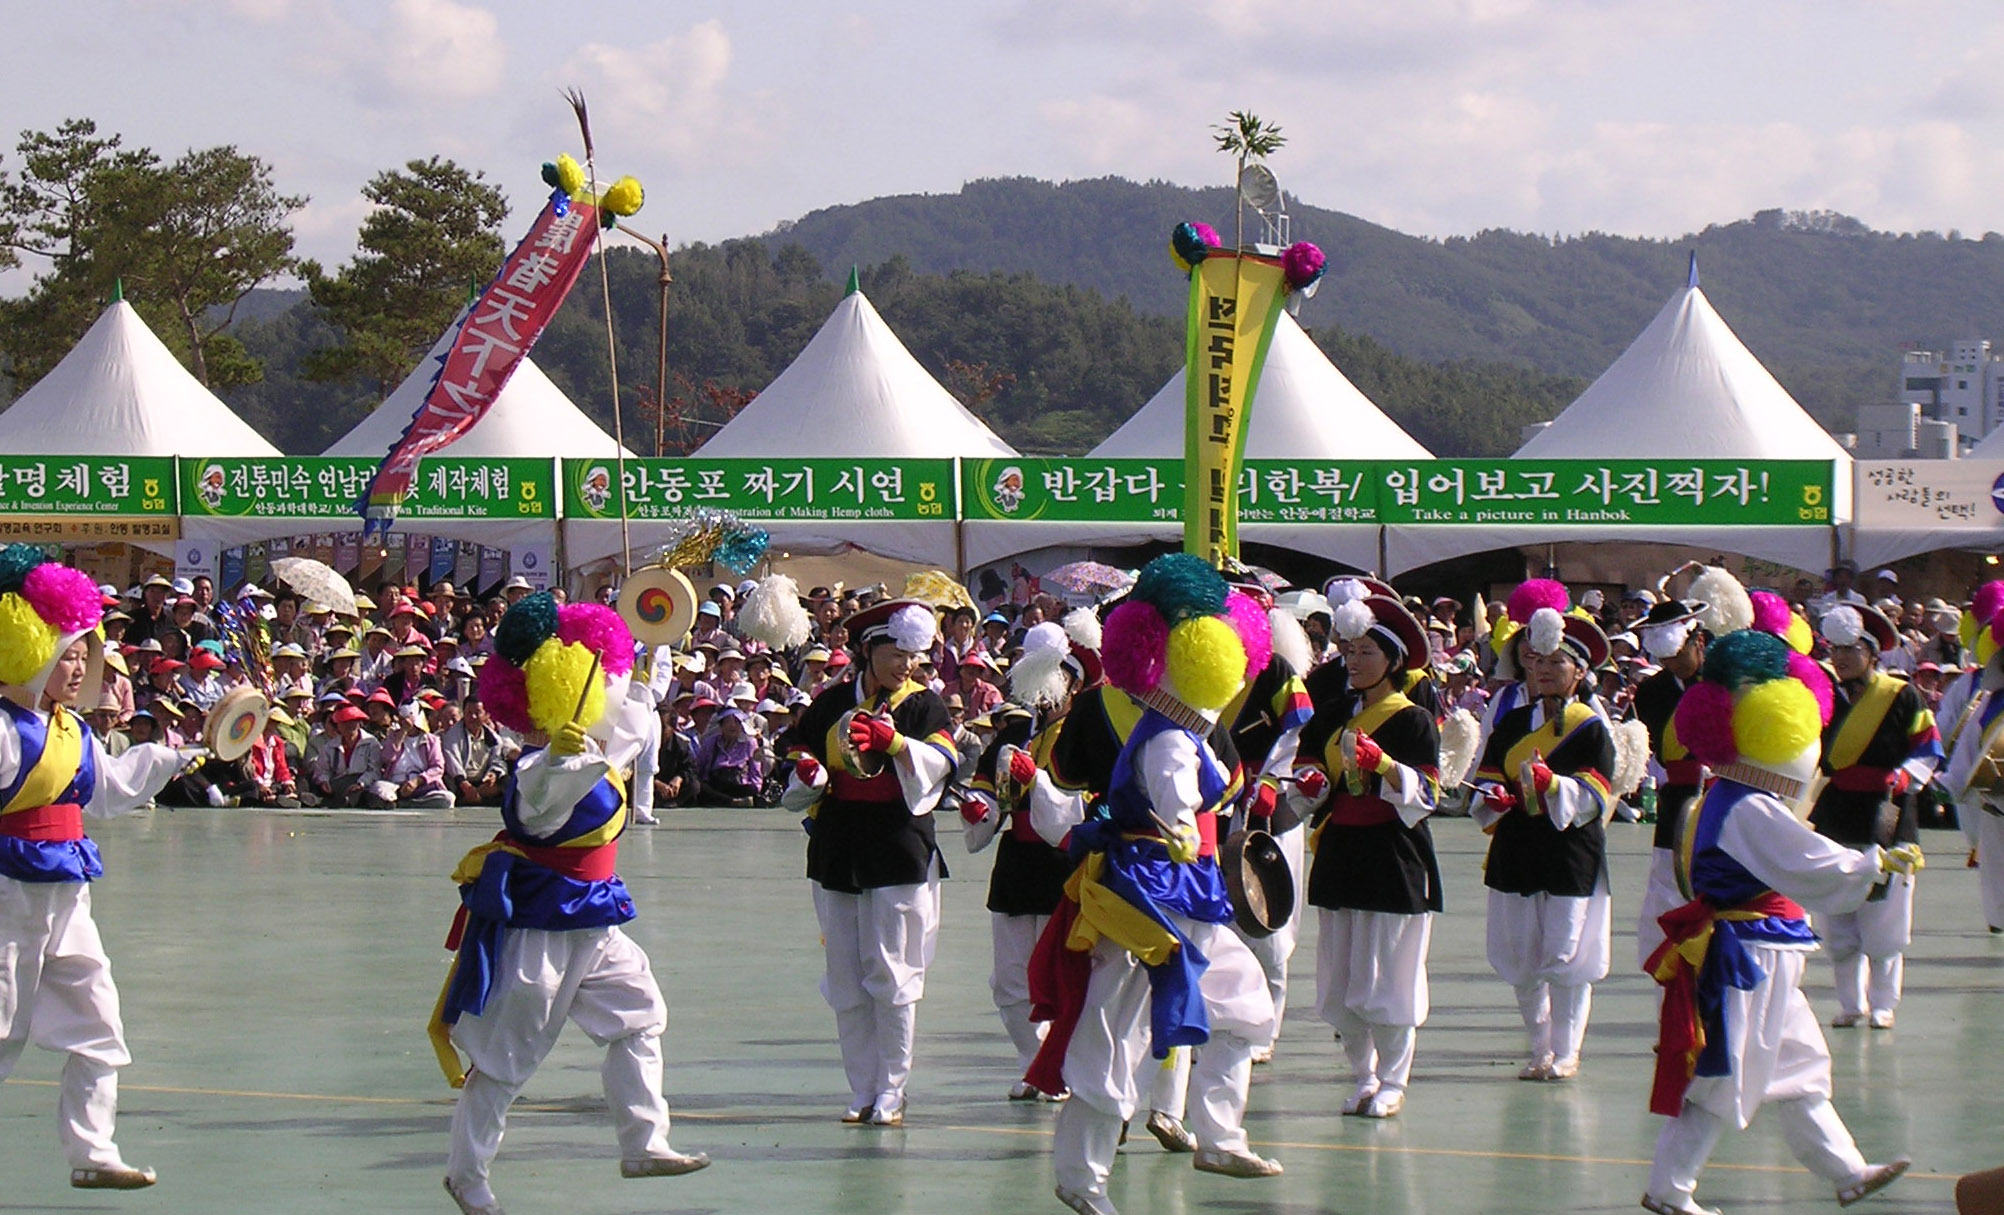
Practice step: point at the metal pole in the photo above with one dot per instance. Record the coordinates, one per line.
(660, 248)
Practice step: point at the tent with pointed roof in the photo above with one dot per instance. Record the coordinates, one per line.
(1305, 408)
(120, 391)
(1686, 388)
(853, 391)
(530, 417)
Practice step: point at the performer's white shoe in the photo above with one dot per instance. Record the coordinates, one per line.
(1234, 1164)
(1876, 1177)
(112, 1177)
(1847, 1020)
(1086, 1204)
(858, 1114)
(891, 1118)
(1262, 1055)
(1882, 1019)
(1385, 1103)
(1563, 1069)
(674, 1164)
(1539, 1068)
(469, 1207)
(1361, 1096)
(1170, 1132)
(1663, 1207)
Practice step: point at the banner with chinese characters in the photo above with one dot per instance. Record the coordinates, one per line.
(131, 487)
(1235, 299)
(763, 491)
(1929, 495)
(1677, 493)
(498, 331)
(325, 487)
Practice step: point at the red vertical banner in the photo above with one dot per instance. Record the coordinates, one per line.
(498, 331)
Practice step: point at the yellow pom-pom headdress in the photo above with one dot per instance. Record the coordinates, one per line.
(45, 608)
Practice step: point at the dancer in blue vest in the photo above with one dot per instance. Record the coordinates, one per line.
(1736, 1032)
(540, 906)
(55, 980)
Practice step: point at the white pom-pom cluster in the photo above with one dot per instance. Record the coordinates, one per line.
(1345, 590)
(913, 628)
(1289, 641)
(1842, 625)
(772, 613)
(1082, 625)
(1546, 632)
(1037, 675)
(1665, 640)
(1353, 619)
(1727, 607)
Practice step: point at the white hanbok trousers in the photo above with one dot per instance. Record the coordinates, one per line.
(1868, 947)
(1778, 1056)
(1112, 1038)
(596, 977)
(1371, 984)
(56, 991)
(877, 946)
(1015, 938)
(1551, 949)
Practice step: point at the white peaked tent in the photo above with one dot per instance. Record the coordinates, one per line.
(1686, 388)
(120, 391)
(854, 391)
(1304, 409)
(531, 417)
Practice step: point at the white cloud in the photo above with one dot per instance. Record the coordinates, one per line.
(667, 99)
(435, 49)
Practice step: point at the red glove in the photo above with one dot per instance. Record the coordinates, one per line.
(1499, 798)
(1264, 797)
(874, 734)
(806, 769)
(1370, 756)
(1902, 780)
(973, 809)
(1022, 769)
(1313, 783)
(1541, 776)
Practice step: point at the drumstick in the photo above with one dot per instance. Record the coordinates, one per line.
(584, 693)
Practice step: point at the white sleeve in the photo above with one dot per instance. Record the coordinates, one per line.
(1054, 811)
(128, 782)
(1571, 802)
(1410, 793)
(923, 771)
(548, 787)
(1479, 809)
(1781, 850)
(979, 833)
(1170, 763)
(629, 730)
(1280, 760)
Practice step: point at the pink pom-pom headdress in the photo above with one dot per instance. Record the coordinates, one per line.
(1249, 620)
(1537, 593)
(600, 629)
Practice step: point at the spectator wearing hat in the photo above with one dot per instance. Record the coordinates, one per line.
(202, 683)
(727, 762)
(341, 677)
(152, 613)
(1941, 640)
(1838, 588)
(709, 627)
(288, 669)
(514, 589)
(977, 694)
(286, 627)
(269, 768)
(105, 719)
(960, 638)
(118, 682)
(995, 634)
(407, 674)
(350, 762)
(410, 764)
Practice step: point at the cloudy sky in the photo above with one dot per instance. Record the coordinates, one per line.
(1431, 116)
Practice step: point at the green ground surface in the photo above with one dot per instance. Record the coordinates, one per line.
(277, 969)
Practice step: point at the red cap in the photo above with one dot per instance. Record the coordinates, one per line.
(203, 660)
(167, 664)
(704, 702)
(349, 713)
(381, 696)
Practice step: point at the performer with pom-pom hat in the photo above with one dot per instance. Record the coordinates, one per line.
(1369, 773)
(538, 928)
(1736, 1032)
(1881, 740)
(1027, 882)
(1972, 712)
(1543, 795)
(1673, 634)
(55, 980)
(872, 757)
(1138, 955)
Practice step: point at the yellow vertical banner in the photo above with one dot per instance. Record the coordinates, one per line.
(1235, 301)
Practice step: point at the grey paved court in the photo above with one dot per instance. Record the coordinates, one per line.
(277, 970)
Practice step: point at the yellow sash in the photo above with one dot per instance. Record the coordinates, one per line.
(1546, 738)
(62, 756)
(1102, 913)
(1368, 719)
(1862, 720)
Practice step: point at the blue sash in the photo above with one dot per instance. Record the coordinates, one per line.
(49, 860)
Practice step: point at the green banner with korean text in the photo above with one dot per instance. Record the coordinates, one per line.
(1538, 492)
(1652, 493)
(113, 486)
(759, 491)
(328, 487)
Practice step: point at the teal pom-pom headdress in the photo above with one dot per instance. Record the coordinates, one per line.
(1180, 586)
(1739, 660)
(15, 562)
(527, 625)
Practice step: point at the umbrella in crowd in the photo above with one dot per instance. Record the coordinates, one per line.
(938, 588)
(318, 582)
(1090, 578)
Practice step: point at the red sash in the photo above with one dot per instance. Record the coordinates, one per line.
(1680, 1035)
(1347, 809)
(1860, 779)
(59, 823)
(595, 864)
(848, 787)
(1682, 772)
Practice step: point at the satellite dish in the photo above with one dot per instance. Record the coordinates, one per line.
(1258, 187)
